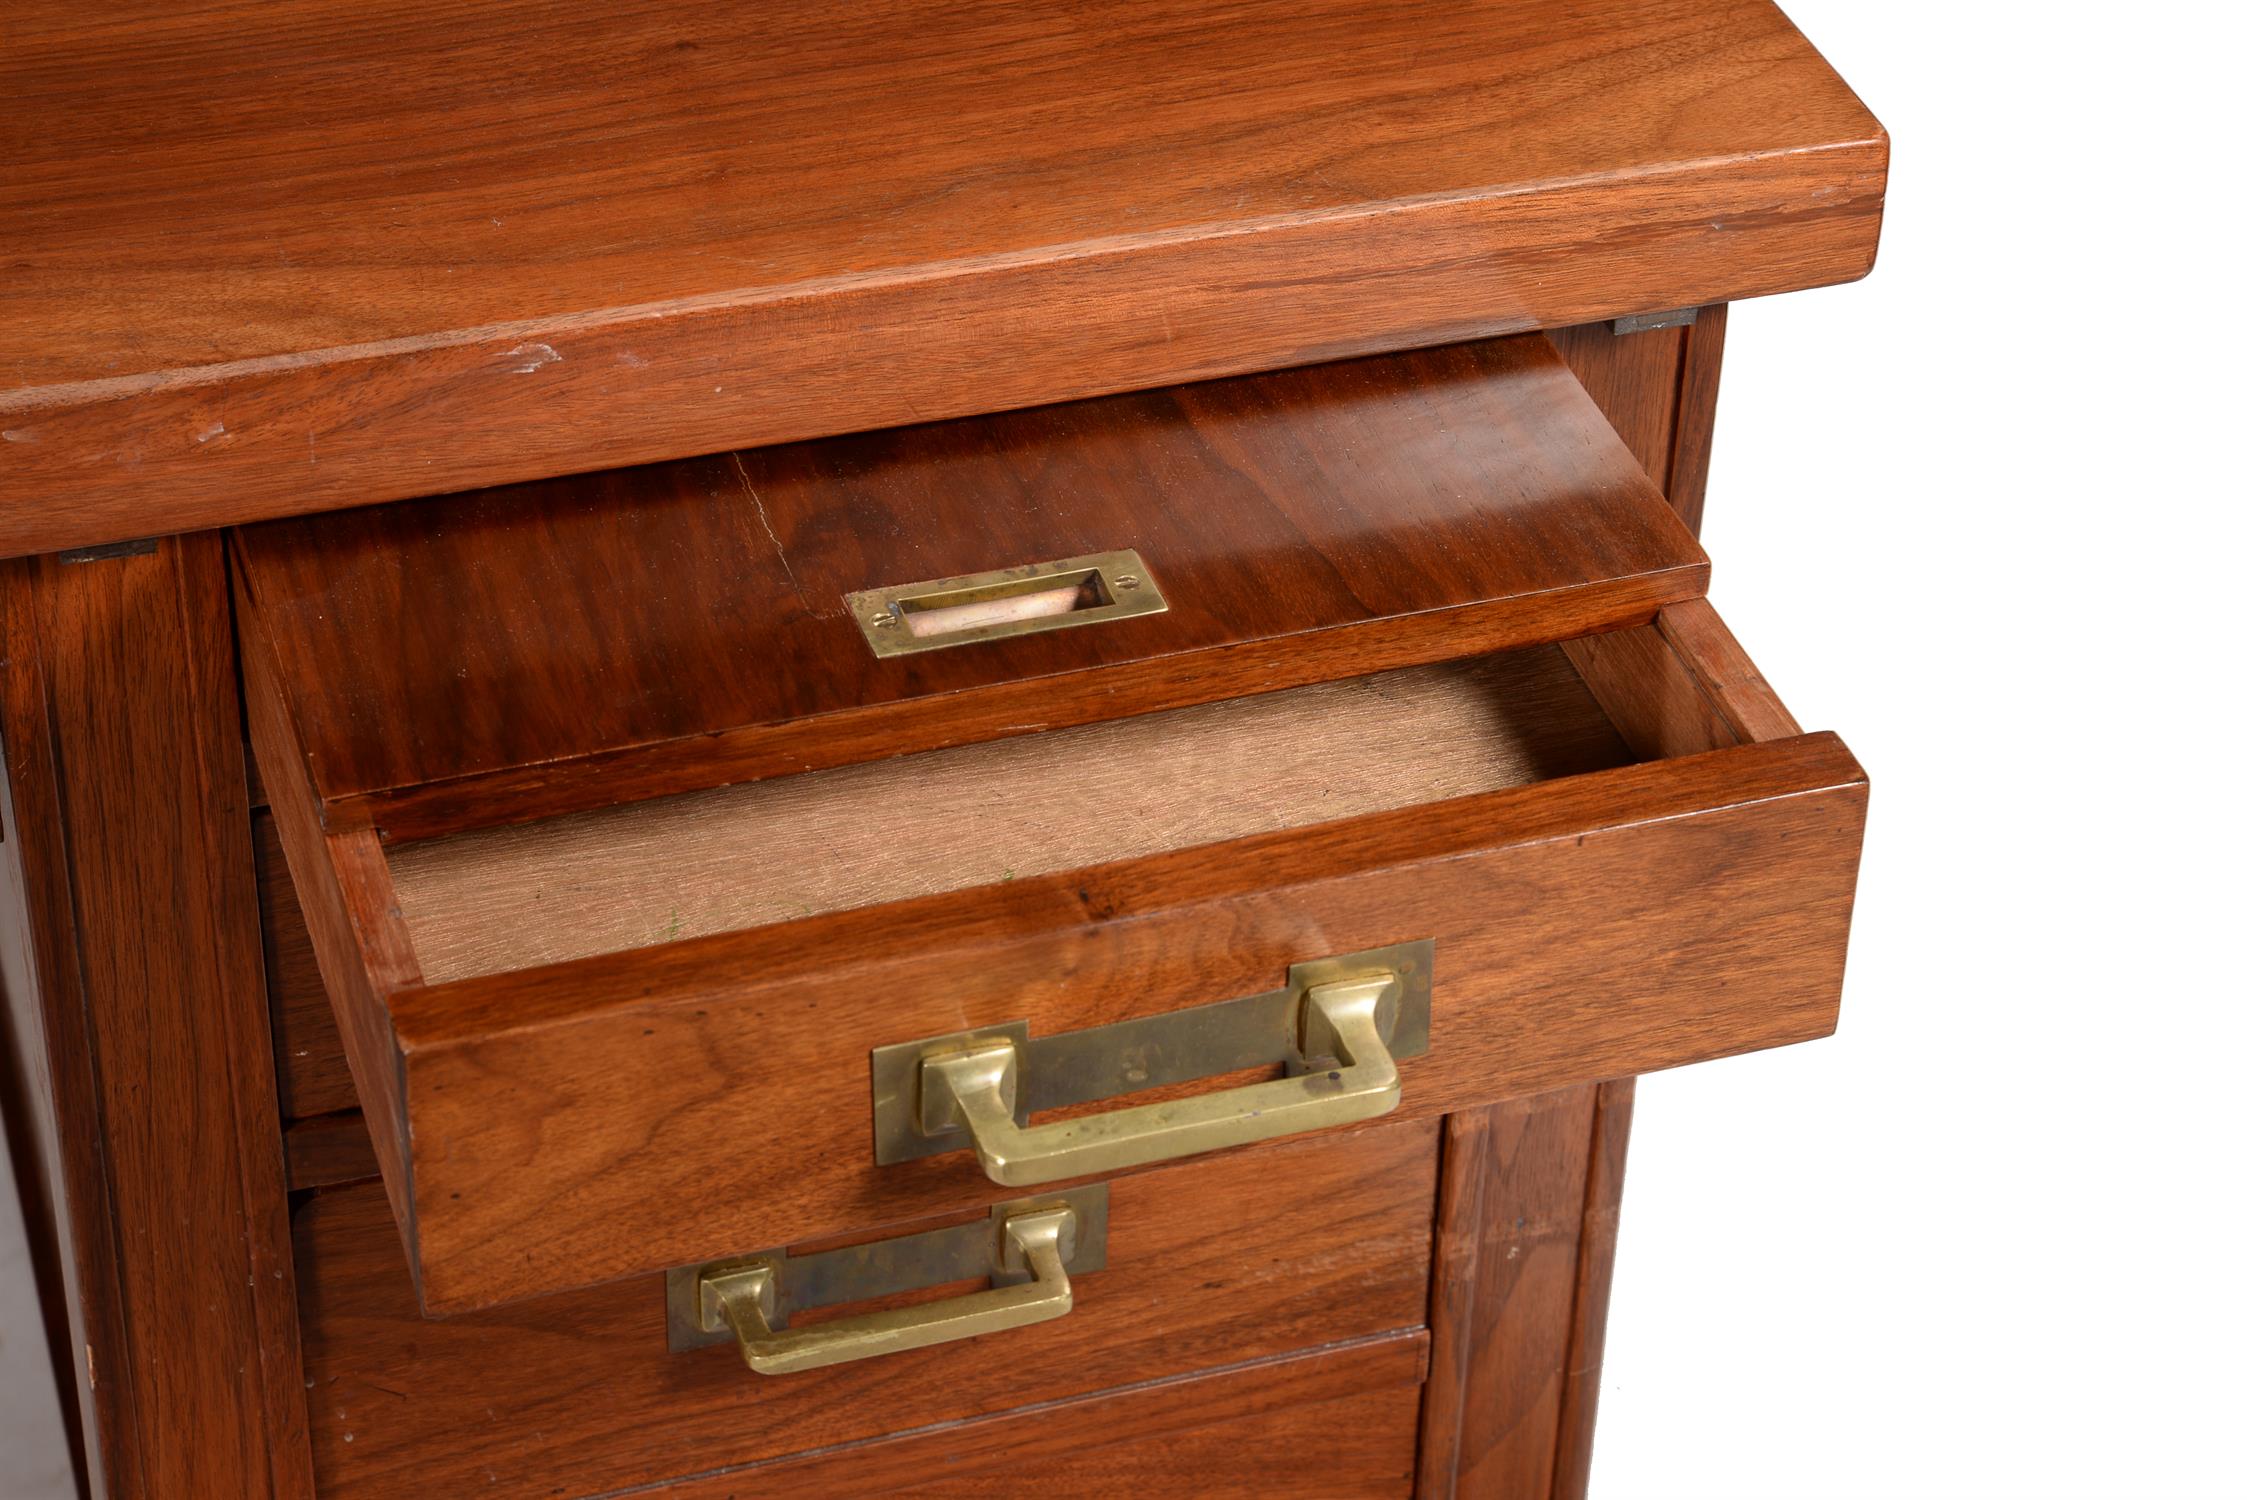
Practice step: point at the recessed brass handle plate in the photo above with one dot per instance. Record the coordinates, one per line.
(1027, 1249)
(1339, 1027)
(971, 607)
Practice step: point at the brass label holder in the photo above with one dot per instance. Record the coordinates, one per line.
(1106, 1062)
(882, 1268)
(960, 611)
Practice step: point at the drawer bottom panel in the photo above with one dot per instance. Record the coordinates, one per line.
(1211, 1266)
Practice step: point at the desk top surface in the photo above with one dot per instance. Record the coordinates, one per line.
(288, 257)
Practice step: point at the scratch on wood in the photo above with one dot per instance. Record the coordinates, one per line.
(533, 357)
(741, 471)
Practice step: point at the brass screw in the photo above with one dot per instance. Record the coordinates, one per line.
(885, 621)
(1128, 581)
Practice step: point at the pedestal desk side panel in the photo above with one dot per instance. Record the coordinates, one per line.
(45, 1076)
(121, 692)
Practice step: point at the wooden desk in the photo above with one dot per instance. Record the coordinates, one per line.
(266, 266)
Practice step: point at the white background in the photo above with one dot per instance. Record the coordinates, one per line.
(1980, 513)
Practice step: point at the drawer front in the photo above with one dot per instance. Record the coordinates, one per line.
(1217, 1274)
(1333, 1425)
(574, 1122)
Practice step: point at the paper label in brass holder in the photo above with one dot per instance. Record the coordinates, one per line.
(960, 611)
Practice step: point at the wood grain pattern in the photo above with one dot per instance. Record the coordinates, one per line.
(1680, 685)
(595, 640)
(1747, 715)
(1658, 388)
(1210, 1264)
(1693, 423)
(328, 1151)
(1452, 1330)
(1645, 398)
(313, 1074)
(1703, 360)
(342, 886)
(1595, 1277)
(308, 1067)
(320, 263)
(126, 773)
(561, 1116)
(1731, 682)
(1335, 1422)
(1632, 377)
(1512, 1232)
(654, 872)
(1654, 699)
(46, 1073)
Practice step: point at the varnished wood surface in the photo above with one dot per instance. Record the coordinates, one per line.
(1635, 389)
(1595, 1278)
(1701, 367)
(1713, 686)
(561, 1117)
(1511, 1233)
(46, 1077)
(1658, 388)
(325, 1151)
(309, 1072)
(598, 639)
(1653, 696)
(1747, 709)
(680, 867)
(343, 894)
(1333, 1423)
(1638, 380)
(1736, 689)
(1680, 685)
(1461, 1211)
(1632, 378)
(126, 784)
(337, 254)
(1210, 1264)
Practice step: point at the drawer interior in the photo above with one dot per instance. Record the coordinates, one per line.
(490, 900)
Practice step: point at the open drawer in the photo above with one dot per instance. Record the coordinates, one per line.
(656, 898)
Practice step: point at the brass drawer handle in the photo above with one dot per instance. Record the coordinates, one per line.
(744, 1297)
(977, 1088)
(1340, 1026)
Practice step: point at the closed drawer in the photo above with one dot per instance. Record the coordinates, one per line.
(1436, 680)
(1238, 1294)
